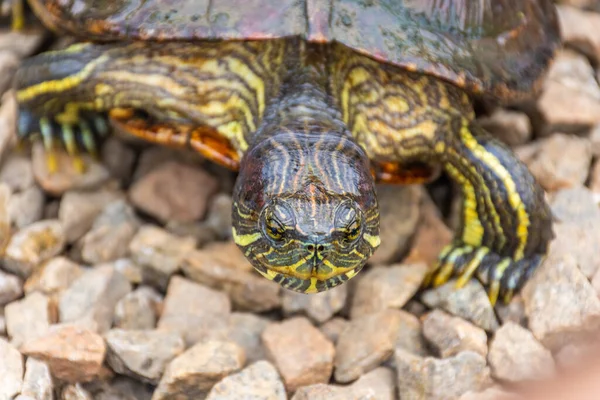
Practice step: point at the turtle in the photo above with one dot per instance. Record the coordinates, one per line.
(313, 103)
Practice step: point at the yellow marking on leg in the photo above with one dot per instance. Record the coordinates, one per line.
(514, 199)
(471, 267)
(374, 241)
(18, 15)
(495, 284)
(445, 271)
(245, 240)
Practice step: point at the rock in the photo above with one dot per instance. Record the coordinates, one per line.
(560, 302)
(5, 231)
(511, 127)
(410, 335)
(142, 354)
(259, 381)
(74, 354)
(26, 207)
(366, 343)
(319, 307)
(11, 370)
(78, 209)
(159, 253)
(513, 311)
(578, 30)
(440, 379)
(29, 318)
(223, 266)
(174, 191)
(399, 210)
(490, 394)
(595, 139)
(570, 98)
(452, 335)
(138, 309)
(470, 303)
(91, 299)
(386, 287)
(24, 43)
(8, 122)
(302, 354)
(595, 181)
(33, 245)
(431, 237)
(118, 158)
(246, 330)
(75, 392)
(192, 374)
(553, 170)
(219, 216)
(66, 176)
(516, 356)
(333, 328)
(54, 276)
(111, 233)
(17, 172)
(196, 312)
(129, 269)
(577, 229)
(375, 385)
(37, 382)
(11, 288)
(120, 388)
(8, 65)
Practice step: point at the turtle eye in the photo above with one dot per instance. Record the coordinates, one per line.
(275, 229)
(352, 231)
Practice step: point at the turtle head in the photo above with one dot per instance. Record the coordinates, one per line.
(305, 211)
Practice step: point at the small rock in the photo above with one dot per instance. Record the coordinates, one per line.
(399, 210)
(118, 159)
(560, 302)
(386, 287)
(17, 173)
(11, 370)
(513, 311)
(431, 237)
(302, 354)
(24, 43)
(66, 177)
(452, 335)
(194, 311)
(570, 99)
(91, 299)
(440, 379)
(470, 302)
(578, 30)
(174, 191)
(375, 385)
(366, 343)
(11, 288)
(553, 170)
(111, 233)
(78, 209)
(219, 216)
(511, 127)
(33, 245)
(29, 318)
(577, 230)
(75, 392)
(129, 269)
(26, 207)
(138, 309)
(259, 381)
(223, 266)
(37, 383)
(319, 307)
(9, 63)
(53, 276)
(516, 356)
(142, 354)
(74, 354)
(120, 388)
(410, 335)
(5, 230)
(333, 328)
(8, 121)
(246, 330)
(192, 374)
(159, 253)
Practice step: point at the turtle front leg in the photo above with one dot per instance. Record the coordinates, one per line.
(506, 224)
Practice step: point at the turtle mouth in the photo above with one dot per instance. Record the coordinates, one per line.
(310, 284)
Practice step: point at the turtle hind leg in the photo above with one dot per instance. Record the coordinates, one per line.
(82, 135)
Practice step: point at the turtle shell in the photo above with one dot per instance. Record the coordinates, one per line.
(499, 47)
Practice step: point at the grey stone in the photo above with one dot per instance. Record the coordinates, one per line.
(138, 309)
(451, 335)
(37, 383)
(11, 370)
(11, 288)
(246, 330)
(320, 307)
(26, 207)
(258, 381)
(53, 276)
(29, 318)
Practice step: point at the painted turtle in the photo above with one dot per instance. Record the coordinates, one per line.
(314, 101)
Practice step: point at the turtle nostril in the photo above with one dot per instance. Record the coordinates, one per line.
(310, 247)
(321, 247)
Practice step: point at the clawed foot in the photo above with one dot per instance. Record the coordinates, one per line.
(501, 275)
(83, 135)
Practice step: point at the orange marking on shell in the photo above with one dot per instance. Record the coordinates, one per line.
(213, 146)
(394, 173)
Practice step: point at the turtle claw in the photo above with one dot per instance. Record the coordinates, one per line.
(83, 136)
(502, 276)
